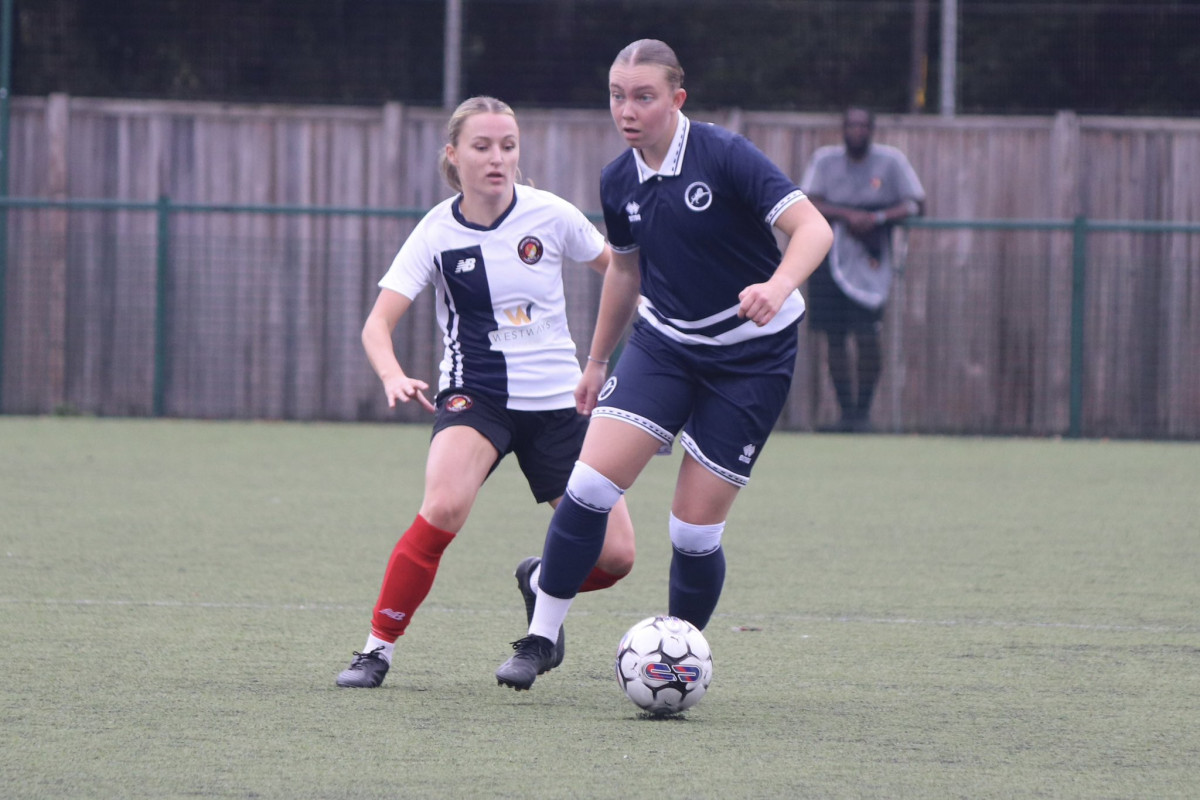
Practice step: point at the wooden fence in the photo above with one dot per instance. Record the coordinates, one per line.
(216, 309)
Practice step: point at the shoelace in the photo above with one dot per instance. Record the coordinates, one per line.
(360, 658)
(529, 644)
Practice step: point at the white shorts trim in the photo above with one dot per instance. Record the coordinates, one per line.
(657, 431)
(693, 449)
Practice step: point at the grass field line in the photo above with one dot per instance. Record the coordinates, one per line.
(813, 618)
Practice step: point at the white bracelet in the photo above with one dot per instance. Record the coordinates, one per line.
(880, 217)
(597, 360)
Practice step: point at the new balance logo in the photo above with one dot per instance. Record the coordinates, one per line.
(747, 454)
(464, 265)
(396, 615)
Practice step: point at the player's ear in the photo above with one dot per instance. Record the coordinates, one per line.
(678, 97)
(451, 154)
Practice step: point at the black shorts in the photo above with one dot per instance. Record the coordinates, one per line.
(546, 443)
(725, 399)
(829, 309)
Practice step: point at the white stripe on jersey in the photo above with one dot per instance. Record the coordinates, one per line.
(678, 329)
(503, 319)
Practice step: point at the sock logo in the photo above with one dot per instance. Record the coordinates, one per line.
(396, 615)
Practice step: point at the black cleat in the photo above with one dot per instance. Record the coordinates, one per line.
(535, 655)
(366, 671)
(529, 594)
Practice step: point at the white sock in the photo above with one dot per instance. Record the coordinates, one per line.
(533, 577)
(548, 616)
(389, 648)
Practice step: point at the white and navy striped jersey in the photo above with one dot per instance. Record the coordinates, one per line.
(702, 226)
(499, 296)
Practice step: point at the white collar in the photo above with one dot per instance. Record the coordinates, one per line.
(673, 164)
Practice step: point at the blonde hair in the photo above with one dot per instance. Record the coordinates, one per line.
(653, 51)
(468, 108)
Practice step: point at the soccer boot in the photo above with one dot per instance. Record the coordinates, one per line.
(534, 655)
(529, 594)
(366, 671)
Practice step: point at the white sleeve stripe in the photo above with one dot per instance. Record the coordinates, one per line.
(784, 204)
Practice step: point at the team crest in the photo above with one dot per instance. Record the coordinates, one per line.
(698, 196)
(458, 402)
(610, 386)
(530, 250)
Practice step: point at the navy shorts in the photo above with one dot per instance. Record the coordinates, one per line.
(725, 399)
(831, 310)
(546, 443)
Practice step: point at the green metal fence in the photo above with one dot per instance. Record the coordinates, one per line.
(1080, 231)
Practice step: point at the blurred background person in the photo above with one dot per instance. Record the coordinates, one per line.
(863, 189)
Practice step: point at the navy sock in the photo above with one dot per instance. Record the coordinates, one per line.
(572, 548)
(696, 583)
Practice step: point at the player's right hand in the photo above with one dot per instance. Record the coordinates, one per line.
(404, 388)
(589, 386)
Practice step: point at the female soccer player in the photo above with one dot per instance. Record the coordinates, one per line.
(689, 209)
(494, 254)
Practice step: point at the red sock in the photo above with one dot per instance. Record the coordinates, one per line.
(409, 577)
(599, 579)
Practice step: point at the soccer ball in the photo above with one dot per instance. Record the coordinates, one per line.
(664, 665)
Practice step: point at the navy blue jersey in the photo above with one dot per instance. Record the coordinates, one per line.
(702, 226)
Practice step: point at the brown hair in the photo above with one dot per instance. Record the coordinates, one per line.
(652, 51)
(481, 104)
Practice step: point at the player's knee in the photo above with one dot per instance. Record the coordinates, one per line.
(695, 540)
(617, 561)
(592, 490)
(619, 549)
(446, 511)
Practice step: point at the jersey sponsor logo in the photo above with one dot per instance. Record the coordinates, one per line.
(458, 402)
(523, 333)
(633, 209)
(609, 387)
(464, 265)
(521, 315)
(530, 250)
(747, 454)
(396, 615)
(698, 196)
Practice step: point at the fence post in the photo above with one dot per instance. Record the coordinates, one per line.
(162, 272)
(1079, 233)
(6, 50)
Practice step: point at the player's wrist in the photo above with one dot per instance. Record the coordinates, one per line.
(601, 361)
(880, 217)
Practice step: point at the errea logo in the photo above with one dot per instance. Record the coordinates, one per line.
(464, 265)
(633, 209)
(747, 454)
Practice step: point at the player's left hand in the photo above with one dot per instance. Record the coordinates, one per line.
(761, 302)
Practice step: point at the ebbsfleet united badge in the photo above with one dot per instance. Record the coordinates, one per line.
(458, 402)
(530, 250)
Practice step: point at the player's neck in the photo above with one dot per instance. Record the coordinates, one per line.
(656, 154)
(483, 210)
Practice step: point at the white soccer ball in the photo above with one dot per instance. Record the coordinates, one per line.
(664, 665)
